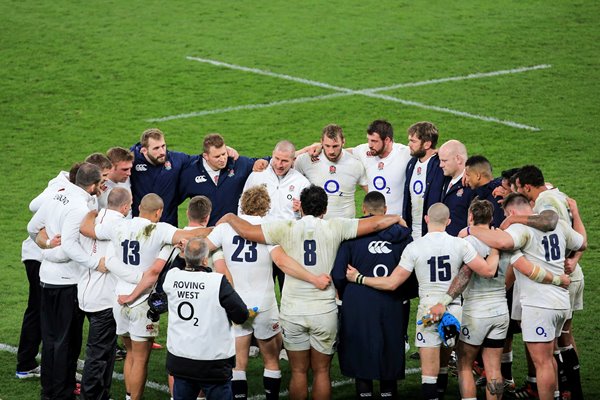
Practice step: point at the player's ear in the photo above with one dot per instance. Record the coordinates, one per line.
(427, 219)
(448, 222)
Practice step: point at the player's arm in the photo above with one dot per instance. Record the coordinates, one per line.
(398, 276)
(544, 221)
(577, 222)
(221, 267)
(292, 268)
(182, 234)
(485, 267)
(234, 306)
(495, 238)
(458, 285)
(71, 244)
(245, 229)
(149, 278)
(539, 274)
(44, 242)
(88, 225)
(509, 277)
(377, 223)
(365, 188)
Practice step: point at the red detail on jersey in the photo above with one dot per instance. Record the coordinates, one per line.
(292, 188)
(332, 169)
(418, 170)
(459, 193)
(369, 153)
(380, 165)
(275, 326)
(231, 173)
(167, 165)
(150, 327)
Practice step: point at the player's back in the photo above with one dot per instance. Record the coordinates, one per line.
(313, 242)
(436, 259)
(486, 296)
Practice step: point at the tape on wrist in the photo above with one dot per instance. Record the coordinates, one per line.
(447, 299)
(556, 280)
(48, 243)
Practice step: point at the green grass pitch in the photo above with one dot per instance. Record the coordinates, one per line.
(78, 77)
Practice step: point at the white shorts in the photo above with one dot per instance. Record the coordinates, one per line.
(133, 322)
(576, 296)
(428, 336)
(542, 324)
(301, 332)
(474, 330)
(515, 312)
(264, 326)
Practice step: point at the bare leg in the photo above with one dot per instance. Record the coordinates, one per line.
(128, 362)
(466, 355)
(140, 353)
(299, 364)
(321, 365)
(542, 355)
(495, 385)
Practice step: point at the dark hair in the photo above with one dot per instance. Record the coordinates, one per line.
(332, 131)
(212, 140)
(119, 154)
(531, 175)
(199, 208)
(481, 164)
(87, 174)
(73, 172)
(382, 128)
(515, 199)
(374, 201)
(313, 200)
(509, 173)
(99, 160)
(425, 132)
(482, 211)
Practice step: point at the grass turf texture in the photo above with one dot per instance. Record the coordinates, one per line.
(79, 77)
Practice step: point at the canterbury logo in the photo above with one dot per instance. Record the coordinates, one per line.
(141, 167)
(379, 247)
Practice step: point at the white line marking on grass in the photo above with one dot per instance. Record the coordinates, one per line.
(80, 363)
(269, 73)
(459, 78)
(372, 92)
(250, 107)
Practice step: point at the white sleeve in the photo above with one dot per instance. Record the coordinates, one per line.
(122, 271)
(55, 255)
(519, 233)
(470, 253)
(216, 236)
(363, 180)
(104, 229)
(300, 163)
(70, 239)
(37, 222)
(574, 238)
(407, 261)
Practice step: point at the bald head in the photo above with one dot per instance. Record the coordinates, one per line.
(118, 197)
(453, 155)
(438, 216)
(283, 158)
(151, 203)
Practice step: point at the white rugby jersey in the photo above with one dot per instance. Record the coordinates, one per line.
(136, 244)
(417, 186)
(282, 190)
(386, 175)
(555, 200)
(196, 317)
(486, 297)
(110, 185)
(436, 259)
(339, 179)
(96, 290)
(546, 249)
(63, 214)
(250, 265)
(312, 242)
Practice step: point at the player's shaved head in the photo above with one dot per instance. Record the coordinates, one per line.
(151, 203)
(454, 147)
(516, 201)
(438, 214)
(118, 197)
(195, 253)
(256, 201)
(481, 165)
(285, 146)
(374, 203)
(87, 174)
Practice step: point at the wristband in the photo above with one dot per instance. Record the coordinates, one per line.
(48, 243)
(538, 274)
(447, 299)
(556, 280)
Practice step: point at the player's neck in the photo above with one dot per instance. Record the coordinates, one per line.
(427, 156)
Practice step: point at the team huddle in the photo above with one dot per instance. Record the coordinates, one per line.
(487, 257)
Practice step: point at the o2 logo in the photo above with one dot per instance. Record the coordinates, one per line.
(540, 331)
(418, 187)
(332, 186)
(465, 332)
(420, 337)
(383, 268)
(380, 184)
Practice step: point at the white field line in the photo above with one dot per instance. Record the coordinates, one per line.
(251, 107)
(459, 78)
(164, 388)
(372, 92)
